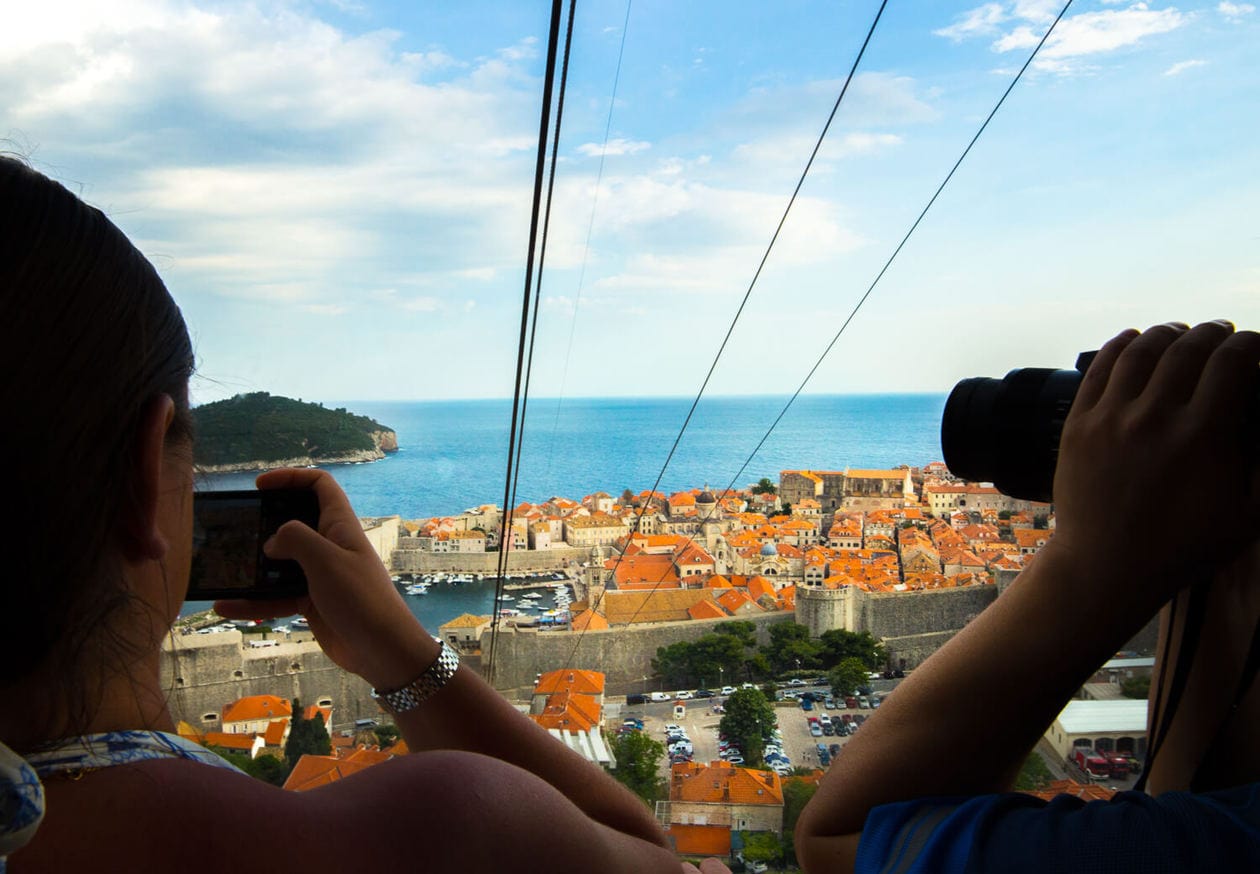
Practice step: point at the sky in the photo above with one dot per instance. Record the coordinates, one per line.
(337, 193)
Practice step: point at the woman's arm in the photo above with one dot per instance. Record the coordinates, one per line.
(362, 623)
(1156, 424)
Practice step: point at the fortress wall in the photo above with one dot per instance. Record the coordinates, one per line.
(623, 653)
(911, 613)
(206, 672)
(408, 561)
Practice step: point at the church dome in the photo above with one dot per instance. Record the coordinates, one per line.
(706, 497)
(769, 549)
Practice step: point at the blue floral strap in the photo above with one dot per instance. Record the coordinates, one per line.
(22, 794)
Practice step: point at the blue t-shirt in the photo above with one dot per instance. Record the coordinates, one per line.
(1176, 832)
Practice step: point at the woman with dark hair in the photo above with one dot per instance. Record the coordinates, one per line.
(96, 360)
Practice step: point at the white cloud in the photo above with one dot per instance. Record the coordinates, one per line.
(1075, 37)
(616, 146)
(981, 21)
(1235, 11)
(326, 309)
(1182, 66)
(422, 304)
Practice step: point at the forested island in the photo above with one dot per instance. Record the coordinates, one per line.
(259, 430)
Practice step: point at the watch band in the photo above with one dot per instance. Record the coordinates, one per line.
(423, 687)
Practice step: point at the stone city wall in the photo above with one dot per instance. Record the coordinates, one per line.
(206, 672)
(623, 653)
(912, 613)
(417, 561)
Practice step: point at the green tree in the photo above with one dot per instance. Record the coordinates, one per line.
(744, 632)
(267, 768)
(1033, 774)
(764, 486)
(673, 663)
(639, 764)
(796, 794)
(306, 736)
(838, 645)
(789, 643)
(847, 676)
(762, 847)
(386, 735)
(1136, 687)
(748, 722)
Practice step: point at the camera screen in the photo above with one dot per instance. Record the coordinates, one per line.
(226, 543)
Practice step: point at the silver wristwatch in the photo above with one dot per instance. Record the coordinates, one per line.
(423, 687)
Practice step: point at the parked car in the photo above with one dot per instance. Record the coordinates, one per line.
(728, 690)
(806, 704)
(829, 730)
(636, 699)
(704, 693)
(684, 696)
(834, 749)
(797, 682)
(815, 729)
(864, 703)
(850, 702)
(735, 760)
(672, 727)
(659, 696)
(633, 722)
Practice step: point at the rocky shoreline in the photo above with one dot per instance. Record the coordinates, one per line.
(386, 442)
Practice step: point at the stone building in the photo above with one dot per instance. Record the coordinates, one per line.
(708, 802)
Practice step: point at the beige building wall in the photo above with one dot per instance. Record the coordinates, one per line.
(382, 533)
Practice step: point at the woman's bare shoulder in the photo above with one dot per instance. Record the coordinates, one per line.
(443, 810)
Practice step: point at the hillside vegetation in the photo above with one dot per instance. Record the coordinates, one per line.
(257, 429)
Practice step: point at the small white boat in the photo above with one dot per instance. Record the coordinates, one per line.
(301, 622)
(532, 595)
(507, 597)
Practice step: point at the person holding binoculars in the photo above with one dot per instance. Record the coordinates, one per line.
(1157, 501)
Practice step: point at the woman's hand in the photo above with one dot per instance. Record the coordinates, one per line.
(1155, 477)
(354, 609)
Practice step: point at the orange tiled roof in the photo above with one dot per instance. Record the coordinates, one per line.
(717, 581)
(706, 609)
(661, 605)
(759, 587)
(589, 619)
(585, 682)
(274, 736)
(466, 620)
(312, 772)
(228, 741)
(1084, 791)
(569, 711)
(737, 599)
(256, 707)
(719, 782)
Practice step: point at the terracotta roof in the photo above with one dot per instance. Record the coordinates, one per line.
(228, 741)
(466, 620)
(1084, 791)
(737, 599)
(661, 605)
(569, 711)
(706, 609)
(717, 581)
(314, 771)
(256, 707)
(585, 682)
(758, 587)
(1028, 538)
(589, 619)
(719, 782)
(876, 474)
(274, 736)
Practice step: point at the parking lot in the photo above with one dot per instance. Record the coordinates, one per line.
(700, 723)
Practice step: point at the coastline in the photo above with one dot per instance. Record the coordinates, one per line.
(361, 456)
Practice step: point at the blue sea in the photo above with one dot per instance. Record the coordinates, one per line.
(453, 454)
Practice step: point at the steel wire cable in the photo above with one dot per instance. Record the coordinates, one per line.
(744, 301)
(520, 388)
(586, 247)
(501, 581)
(878, 277)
